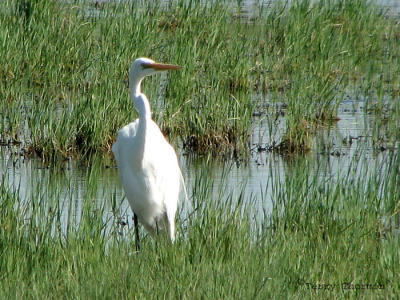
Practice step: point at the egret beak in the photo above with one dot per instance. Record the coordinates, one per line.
(161, 67)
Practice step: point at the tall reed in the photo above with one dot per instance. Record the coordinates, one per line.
(64, 77)
(326, 236)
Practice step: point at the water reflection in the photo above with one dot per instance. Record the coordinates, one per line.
(246, 9)
(70, 186)
(336, 150)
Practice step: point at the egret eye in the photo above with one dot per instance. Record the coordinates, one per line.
(146, 66)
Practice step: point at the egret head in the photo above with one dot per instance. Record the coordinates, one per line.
(142, 67)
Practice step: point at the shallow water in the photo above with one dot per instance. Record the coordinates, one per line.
(246, 8)
(392, 6)
(335, 150)
(70, 186)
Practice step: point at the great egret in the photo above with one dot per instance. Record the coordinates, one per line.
(147, 163)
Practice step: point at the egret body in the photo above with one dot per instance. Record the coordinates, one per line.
(147, 163)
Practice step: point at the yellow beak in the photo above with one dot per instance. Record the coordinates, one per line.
(161, 67)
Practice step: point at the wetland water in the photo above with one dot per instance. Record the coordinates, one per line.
(315, 200)
(345, 147)
(393, 6)
(248, 7)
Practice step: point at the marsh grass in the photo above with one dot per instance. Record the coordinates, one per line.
(64, 69)
(319, 50)
(63, 90)
(321, 230)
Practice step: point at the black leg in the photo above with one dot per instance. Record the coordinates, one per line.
(135, 220)
(156, 228)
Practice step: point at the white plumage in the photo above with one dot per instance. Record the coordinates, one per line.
(147, 163)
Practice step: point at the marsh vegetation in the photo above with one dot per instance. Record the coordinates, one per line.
(64, 76)
(313, 230)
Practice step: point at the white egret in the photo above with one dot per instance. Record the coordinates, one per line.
(147, 163)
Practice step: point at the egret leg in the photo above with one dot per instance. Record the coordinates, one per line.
(136, 222)
(157, 228)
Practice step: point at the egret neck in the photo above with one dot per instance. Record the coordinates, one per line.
(142, 105)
